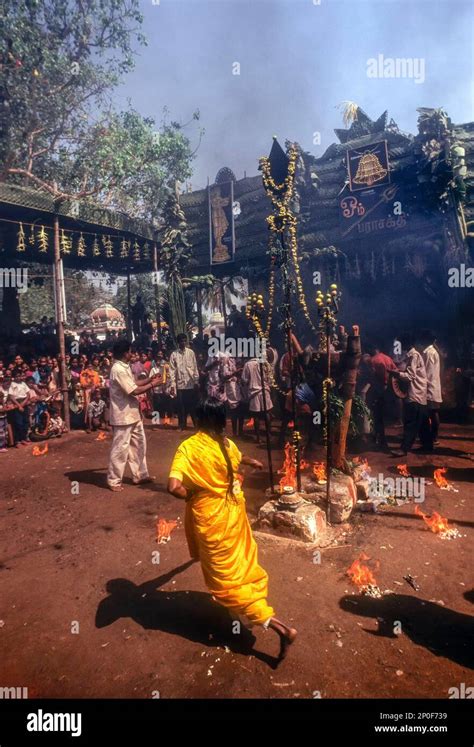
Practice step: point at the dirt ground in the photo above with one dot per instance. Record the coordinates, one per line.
(87, 612)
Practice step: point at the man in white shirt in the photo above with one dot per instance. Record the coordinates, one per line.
(252, 384)
(414, 407)
(185, 374)
(433, 375)
(129, 441)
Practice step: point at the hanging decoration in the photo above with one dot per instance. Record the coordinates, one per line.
(66, 243)
(136, 251)
(124, 249)
(81, 246)
(95, 248)
(71, 241)
(43, 240)
(20, 247)
(109, 247)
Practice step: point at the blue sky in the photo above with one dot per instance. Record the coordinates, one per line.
(298, 61)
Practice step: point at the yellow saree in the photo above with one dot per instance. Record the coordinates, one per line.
(218, 530)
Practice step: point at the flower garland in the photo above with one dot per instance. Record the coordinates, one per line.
(283, 219)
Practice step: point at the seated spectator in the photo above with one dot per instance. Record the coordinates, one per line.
(76, 406)
(96, 412)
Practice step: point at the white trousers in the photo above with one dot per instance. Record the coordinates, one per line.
(128, 445)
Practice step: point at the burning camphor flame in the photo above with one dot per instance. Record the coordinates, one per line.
(289, 468)
(439, 478)
(38, 451)
(437, 523)
(319, 471)
(163, 530)
(250, 423)
(101, 436)
(360, 574)
(403, 469)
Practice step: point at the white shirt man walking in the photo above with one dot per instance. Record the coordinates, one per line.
(129, 441)
(433, 375)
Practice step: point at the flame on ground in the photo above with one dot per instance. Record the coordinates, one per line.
(403, 469)
(360, 574)
(250, 423)
(164, 529)
(319, 471)
(101, 436)
(436, 522)
(439, 478)
(289, 468)
(38, 451)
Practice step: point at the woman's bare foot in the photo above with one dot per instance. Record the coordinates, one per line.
(287, 636)
(286, 640)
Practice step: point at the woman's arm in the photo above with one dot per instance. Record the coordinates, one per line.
(176, 488)
(251, 462)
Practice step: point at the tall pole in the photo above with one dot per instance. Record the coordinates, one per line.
(157, 294)
(199, 311)
(59, 293)
(267, 425)
(328, 415)
(293, 361)
(129, 307)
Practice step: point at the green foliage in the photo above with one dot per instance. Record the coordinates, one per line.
(358, 412)
(174, 256)
(59, 63)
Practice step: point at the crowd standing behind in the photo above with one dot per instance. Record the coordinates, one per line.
(31, 399)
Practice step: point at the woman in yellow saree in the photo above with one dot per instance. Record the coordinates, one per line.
(204, 474)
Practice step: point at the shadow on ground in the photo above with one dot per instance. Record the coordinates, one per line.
(442, 631)
(189, 614)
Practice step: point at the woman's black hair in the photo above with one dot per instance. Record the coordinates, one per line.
(211, 418)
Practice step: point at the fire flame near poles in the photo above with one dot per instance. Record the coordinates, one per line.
(289, 469)
(319, 471)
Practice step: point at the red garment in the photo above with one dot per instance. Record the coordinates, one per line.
(381, 365)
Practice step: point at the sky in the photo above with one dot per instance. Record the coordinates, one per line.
(299, 59)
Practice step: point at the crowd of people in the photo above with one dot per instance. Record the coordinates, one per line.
(31, 398)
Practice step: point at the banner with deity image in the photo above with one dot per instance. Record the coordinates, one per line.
(221, 223)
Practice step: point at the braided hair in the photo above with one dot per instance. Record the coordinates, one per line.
(211, 418)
